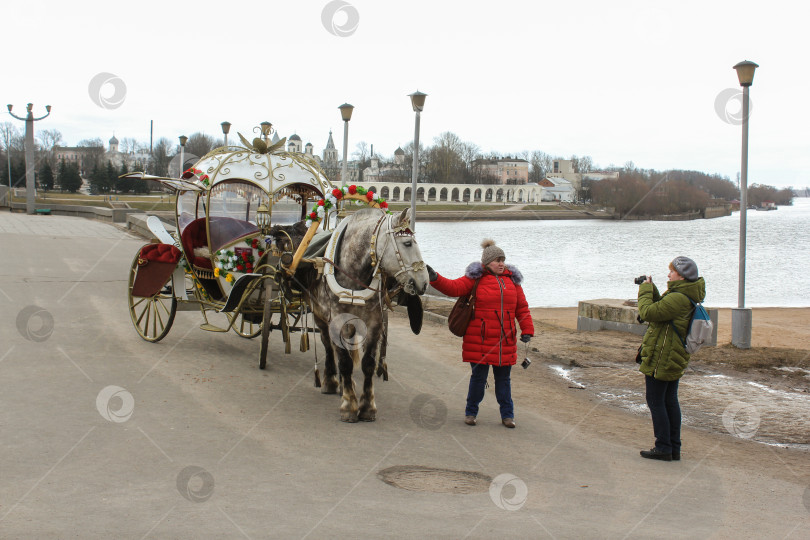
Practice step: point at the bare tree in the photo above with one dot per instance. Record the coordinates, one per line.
(585, 164)
(128, 145)
(199, 144)
(161, 156)
(541, 164)
(361, 152)
(49, 138)
(7, 135)
(469, 152)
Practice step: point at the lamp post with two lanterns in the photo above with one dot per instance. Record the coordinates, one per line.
(30, 178)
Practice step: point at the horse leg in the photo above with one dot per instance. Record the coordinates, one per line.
(330, 381)
(348, 403)
(368, 407)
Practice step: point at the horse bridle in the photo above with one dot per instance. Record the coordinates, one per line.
(394, 232)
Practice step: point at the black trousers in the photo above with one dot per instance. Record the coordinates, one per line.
(662, 399)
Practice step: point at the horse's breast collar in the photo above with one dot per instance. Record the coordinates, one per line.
(346, 296)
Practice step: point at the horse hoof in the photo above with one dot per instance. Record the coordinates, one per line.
(350, 418)
(327, 389)
(368, 417)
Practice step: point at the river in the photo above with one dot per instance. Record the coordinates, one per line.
(564, 262)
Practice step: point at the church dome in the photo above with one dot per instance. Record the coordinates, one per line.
(399, 152)
(113, 140)
(294, 137)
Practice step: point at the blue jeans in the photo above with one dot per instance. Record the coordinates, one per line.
(662, 399)
(503, 389)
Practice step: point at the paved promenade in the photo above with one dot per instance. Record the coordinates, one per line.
(103, 435)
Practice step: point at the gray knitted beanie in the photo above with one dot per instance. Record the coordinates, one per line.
(491, 251)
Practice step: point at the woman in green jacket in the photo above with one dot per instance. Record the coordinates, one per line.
(663, 356)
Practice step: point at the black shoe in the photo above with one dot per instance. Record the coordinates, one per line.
(676, 456)
(655, 453)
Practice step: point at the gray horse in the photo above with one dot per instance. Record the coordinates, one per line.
(354, 330)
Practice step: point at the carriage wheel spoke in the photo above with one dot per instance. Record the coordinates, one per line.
(140, 317)
(157, 314)
(163, 305)
(154, 318)
(138, 303)
(148, 315)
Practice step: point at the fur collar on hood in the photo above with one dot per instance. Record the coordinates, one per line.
(475, 270)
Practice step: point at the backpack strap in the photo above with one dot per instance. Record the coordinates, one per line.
(689, 326)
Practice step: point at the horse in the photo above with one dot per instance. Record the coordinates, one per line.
(369, 251)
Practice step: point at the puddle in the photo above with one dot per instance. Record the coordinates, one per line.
(713, 401)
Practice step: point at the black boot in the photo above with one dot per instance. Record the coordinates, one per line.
(655, 453)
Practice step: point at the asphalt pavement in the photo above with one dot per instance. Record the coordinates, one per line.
(104, 435)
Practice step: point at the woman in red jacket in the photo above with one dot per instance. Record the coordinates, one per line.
(491, 337)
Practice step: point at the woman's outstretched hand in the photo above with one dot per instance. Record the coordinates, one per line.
(432, 275)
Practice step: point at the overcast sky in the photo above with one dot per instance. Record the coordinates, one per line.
(618, 81)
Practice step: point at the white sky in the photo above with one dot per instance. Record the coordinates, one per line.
(618, 81)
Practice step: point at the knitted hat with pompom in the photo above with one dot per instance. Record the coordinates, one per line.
(491, 251)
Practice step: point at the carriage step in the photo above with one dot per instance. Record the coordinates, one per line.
(211, 328)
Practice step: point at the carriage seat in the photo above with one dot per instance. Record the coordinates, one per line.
(194, 237)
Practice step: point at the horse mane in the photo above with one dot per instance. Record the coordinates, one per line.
(358, 233)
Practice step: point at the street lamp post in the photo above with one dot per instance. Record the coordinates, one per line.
(741, 317)
(226, 128)
(30, 179)
(418, 104)
(345, 113)
(183, 140)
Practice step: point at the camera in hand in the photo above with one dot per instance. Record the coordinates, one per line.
(639, 280)
(526, 363)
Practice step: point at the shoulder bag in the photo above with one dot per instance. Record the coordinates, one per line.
(462, 313)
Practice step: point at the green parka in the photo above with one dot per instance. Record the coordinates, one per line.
(662, 353)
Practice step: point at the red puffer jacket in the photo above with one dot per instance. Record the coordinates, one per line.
(492, 335)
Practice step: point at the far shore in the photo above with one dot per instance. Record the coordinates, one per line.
(785, 327)
(772, 326)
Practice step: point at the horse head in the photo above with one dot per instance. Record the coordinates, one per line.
(399, 256)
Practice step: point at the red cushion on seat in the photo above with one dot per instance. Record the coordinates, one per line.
(165, 253)
(201, 262)
(194, 236)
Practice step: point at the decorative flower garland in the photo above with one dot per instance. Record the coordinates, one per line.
(201, 177)
(228, 261)
(329, 203)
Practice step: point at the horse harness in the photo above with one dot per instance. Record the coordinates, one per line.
(359, 297)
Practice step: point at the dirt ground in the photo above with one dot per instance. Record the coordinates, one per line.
(761, 394)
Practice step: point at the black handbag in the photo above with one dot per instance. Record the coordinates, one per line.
(462, 313)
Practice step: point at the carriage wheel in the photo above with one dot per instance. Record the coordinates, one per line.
(152, 316)
(266, 327)
(245, 328)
